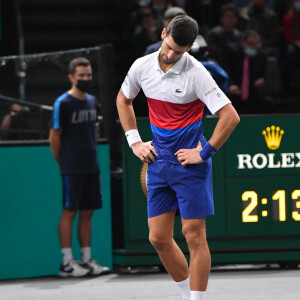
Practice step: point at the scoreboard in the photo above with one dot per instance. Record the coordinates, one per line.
(256, 179)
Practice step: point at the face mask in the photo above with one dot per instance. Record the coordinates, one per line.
(250, 52)
(297, 6)
(83, 85)
(158, 7)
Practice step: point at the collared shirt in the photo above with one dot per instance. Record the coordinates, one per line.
(176, 100)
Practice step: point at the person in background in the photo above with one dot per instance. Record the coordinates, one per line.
(15, 124)
(73, 144)
(265, 22)
(145, 32)
(224, 35)
(291, 25)
(205, 12)
(158, 8)
(245, 65)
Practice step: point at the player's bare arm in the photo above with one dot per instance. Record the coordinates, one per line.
(144, 151)
(55, 143)
(228, 119)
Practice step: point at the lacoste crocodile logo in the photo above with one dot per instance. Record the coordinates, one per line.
(178, 91)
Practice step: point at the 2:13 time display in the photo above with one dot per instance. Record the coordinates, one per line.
(279, 208)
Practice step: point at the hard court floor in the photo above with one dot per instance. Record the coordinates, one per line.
(259, 282)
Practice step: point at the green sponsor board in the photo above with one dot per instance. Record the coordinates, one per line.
(30, 209)
(256, 194)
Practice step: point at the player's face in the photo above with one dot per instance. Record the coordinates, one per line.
(170, 52)
(81, 73)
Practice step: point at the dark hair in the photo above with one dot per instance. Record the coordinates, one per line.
(142, 14)
(183, 29)
(229, 7)
(79, 61)
(249, 32)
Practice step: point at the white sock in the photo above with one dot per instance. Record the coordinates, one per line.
(85, 254)
(67, 255)
(184, 288)
(196, 295)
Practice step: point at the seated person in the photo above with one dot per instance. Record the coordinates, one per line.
(145, 33)
(245, 65)
(14, 125)
(291, 26)
(264, 21)
(225, 34)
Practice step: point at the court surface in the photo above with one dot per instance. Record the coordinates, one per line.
(224, 284)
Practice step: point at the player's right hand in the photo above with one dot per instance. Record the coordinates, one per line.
(144, 151)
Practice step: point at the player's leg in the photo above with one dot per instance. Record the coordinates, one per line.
(200, 260)
(193, 186)
(162, 205)
(161, 237)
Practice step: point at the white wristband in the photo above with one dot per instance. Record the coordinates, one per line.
(132, 136)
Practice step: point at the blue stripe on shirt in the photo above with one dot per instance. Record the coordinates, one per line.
(173, 132)
(56, 110)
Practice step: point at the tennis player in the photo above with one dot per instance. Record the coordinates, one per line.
(177, 87)
(73, 144)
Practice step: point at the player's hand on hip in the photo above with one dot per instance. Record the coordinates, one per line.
(189, 156)
(144, 151)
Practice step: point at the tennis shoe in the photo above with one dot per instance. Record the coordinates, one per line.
(94, 268)
(72, 269)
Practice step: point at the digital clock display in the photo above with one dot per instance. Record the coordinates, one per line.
(279, 206)
(264, 205)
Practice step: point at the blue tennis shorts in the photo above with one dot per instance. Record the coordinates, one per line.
(82, 191)
(172, 186)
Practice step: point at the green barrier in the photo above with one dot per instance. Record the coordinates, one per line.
(256, 196)
(30, 208)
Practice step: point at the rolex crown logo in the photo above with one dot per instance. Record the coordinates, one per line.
(273, 136)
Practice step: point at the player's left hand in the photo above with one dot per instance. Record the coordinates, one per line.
(189, 156)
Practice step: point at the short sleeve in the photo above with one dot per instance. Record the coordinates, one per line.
(208, 91)
(131, 84)
(57, 115)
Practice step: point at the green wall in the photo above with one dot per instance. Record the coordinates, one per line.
(30, 208)
(231, 238)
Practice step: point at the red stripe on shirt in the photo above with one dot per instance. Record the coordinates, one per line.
(169, 115)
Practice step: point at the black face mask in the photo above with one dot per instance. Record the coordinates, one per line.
(83, 85)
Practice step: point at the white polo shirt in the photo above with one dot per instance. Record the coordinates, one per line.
(176, 100)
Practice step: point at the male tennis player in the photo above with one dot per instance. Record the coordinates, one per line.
(177, 87)
(73, 143)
